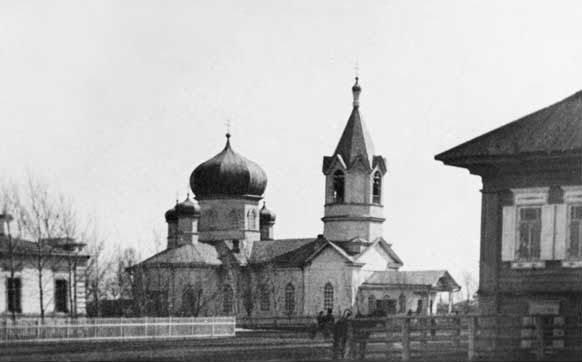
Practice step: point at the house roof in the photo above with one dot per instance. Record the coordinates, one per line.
(439, 280)
(554, 130)
(26, 247)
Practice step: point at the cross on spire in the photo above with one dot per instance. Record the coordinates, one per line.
(227, 125)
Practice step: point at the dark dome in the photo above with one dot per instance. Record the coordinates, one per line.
(228, 174)
(187, 207)
(171, 215)
(267, 215)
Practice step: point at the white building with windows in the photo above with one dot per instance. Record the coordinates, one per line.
(59, 262)
(222, 256)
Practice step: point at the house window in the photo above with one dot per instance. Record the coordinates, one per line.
(529, 230)
(402, 303)
(419, 306)
(61, 296)
(227, 299)
(575, 232)
(265, 298)
(289, 298)
(328, 297)
(14, 294)
(338, 186)
(252, 219)
(371, 304)
(377, 188)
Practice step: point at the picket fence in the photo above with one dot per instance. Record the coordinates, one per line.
(35, 330)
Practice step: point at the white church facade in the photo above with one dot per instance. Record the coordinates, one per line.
(222, 257)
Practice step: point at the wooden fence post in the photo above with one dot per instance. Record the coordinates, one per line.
(424, 322)
(539, 330)
(406, 339)
(213, 320)
(457, 322)
(472, 320)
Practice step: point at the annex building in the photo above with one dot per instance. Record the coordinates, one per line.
(222, 257)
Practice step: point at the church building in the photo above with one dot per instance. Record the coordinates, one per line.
(222, 257)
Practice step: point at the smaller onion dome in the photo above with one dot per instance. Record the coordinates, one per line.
(171, 216)
(266, 215)
(188, 207)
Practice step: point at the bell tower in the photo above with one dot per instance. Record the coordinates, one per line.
(353, 183)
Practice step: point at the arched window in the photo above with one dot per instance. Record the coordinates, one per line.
(338, 186)
(252, 219)
(402, 303)
(328, 297)
(371, 304)
(211, 219)
(191, 300)
(289, 299)
(233, 219)
(265, 300)
(227, 299)
(377, 188)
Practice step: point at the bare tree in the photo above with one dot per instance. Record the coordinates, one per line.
(12, 211)
(97, 269)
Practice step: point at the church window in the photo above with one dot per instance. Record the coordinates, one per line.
(289, 299)
(265, 298)
(190, 300)
(233, 218)
(377, 188)
(211, 219)
(338, 186)
(371, 304)
(14, 291)
(530, 228)
(252, 219)
(575, 232)
(227, 297)
(328, 297)
(402, 303)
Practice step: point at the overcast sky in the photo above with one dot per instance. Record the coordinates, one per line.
(116, 102)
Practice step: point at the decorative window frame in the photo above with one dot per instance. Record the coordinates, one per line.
(572, 198)
(528, 198)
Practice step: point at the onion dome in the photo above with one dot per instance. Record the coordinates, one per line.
(171, 216)
(187, 207)
(228, 174)
(266, 215)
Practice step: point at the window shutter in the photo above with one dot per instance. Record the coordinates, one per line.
(547, 240)
(561, 225)
(508, 234)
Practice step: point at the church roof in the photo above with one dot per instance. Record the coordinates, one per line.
(355, 141)
(191, 254)
(439, 280)
(554, 130)
(228, 174)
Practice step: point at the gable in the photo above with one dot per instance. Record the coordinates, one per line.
(376, 258)
(327, 258)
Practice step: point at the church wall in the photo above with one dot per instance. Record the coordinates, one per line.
(222, 219)
(348, 229)
(357, 186)
(328, 267)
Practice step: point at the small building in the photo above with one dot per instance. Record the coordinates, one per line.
(223, 258)
(62, 266)
(531, 222)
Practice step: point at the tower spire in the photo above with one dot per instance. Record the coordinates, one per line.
(356, 90)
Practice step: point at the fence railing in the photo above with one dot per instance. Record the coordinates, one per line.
(34, 330)
(451, 337)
